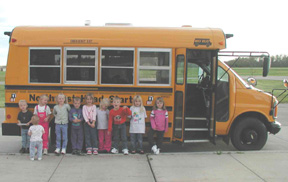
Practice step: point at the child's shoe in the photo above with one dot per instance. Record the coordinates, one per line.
(125, 151)
(22, 150)
(57, 151)
(74, 152)
(27, 151)
(95, 152)
(157, 151)
(45, 152)
(89, 152)
(133, 152)
(32, 159)
(63, 151)
(154, 149)
(141, 152)
(39, 159)
(114, 151)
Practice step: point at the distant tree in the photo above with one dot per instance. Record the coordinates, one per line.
(276, 61)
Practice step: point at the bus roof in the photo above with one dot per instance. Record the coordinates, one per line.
(87, 36)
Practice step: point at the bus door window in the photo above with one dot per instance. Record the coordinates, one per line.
(154, 66)
(81, 65)
(44, 65)
(222, 96)
(117, 65)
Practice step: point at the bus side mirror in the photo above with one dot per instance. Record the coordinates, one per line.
(285, 82)
(266, 65)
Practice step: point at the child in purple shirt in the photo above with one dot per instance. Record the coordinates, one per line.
(76, 118)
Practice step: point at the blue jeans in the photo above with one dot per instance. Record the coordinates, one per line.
(38, 145)
(119, 130)
(25, 138)
(136, 137)
(90, 137)
(61, 129)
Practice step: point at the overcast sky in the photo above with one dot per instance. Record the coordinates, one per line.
(257, 25)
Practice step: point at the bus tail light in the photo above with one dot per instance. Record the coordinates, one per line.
(8, 116)
(13, 40)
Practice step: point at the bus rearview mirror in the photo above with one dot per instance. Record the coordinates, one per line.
(266, 65)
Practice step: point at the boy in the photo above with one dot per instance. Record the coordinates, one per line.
(76, 117)
(24, 120)
(36, 131)
(118, 116)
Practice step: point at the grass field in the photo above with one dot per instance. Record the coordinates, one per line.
(2, 76)
(258, 71)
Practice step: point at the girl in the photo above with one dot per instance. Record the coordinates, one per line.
(102, 126)
(137, 124)
(36, 131)
(159, 124)
(60, 112)
(43, 112)
(89, 114)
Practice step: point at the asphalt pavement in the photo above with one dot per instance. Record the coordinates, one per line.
(193, 162)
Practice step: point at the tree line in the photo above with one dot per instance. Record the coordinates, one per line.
(276, 61)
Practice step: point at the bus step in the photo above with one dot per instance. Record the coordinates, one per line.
(196, 141)
(195, 124)
(196, 129)
(195, 118)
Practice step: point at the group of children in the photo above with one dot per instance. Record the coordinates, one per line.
(97, 125)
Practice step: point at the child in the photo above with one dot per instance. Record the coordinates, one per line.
(118, 116)
(89, 114)
(36, 131)
(43, 112)
(102, 126)
(24, 117)
(60, 112)
(159, 124)
(76, 117)
(137, 124)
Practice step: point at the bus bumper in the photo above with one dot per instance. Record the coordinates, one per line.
(275, 127)
(11, 129)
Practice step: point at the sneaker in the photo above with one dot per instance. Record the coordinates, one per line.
(22, 150)
(133, 152)
(27, 151)
(39, 159)
(95, 152)
(141, 152)
(57, 151)
(74, 152)
(154, 149)
(63, 151)
(114, 151)
(157, 151)
(32, 159)
(89, 152)
(79, 152)
(45, 152)
(125, 151)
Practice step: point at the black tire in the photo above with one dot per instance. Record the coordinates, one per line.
(249, 134)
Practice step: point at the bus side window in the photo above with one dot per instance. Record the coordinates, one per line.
(222, 96)
(44, 65)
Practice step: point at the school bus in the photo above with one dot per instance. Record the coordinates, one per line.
(204, 97)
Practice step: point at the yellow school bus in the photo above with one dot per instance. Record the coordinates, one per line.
(204, 97)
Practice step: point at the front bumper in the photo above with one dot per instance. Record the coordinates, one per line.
(275, 127)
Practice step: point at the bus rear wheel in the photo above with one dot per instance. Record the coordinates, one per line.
(249, 134)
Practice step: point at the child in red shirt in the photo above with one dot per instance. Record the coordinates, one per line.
(117, 117)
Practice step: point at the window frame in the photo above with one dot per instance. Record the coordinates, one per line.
(139, 67)
(77, 66)
(44, 66)
(120, 49)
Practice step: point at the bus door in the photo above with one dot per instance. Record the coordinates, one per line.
(180, 85)
(199, 97)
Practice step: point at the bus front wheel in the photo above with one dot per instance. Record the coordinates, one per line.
(249, 134)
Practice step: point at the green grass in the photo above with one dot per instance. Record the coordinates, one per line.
(2, 96)
(269, 85)
(258, 71)
(2, 76)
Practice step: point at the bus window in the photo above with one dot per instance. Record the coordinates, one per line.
(117, 65)
(81, 65)
(193, 73)
(44, 65)
(154, 66)
(180, 69)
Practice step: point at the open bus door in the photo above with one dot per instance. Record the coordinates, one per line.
(195, 96)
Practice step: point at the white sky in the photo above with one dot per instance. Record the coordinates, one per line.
(257, 25)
